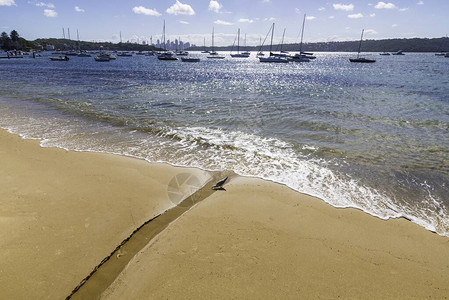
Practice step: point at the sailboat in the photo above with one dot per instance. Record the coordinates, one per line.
(204, 51)
(180, 52)
(238, 54)
(281, 52)
(246, 52)
(272, 58)
(361, 59)
(302, 56)
(260, 53)
(214, 54)
(166, 55)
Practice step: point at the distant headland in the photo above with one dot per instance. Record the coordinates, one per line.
(14, 41)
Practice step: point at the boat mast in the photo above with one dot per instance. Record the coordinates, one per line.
(212, 39)
(271, 43)
(163, 36)
(282, 41)
(238, 41)
(302, 33)
(360, 44)
(78, 38)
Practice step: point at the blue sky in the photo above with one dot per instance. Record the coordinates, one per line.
(192, 20)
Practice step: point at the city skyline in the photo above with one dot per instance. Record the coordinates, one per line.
(192, 20)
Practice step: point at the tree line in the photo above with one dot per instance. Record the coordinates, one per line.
(386, 45)
(14, 41)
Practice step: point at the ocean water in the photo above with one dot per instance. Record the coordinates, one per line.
(369, 136)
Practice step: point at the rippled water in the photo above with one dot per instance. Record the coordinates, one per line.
(371, 136)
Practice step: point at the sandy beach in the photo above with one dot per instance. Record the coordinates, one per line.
(62, 212)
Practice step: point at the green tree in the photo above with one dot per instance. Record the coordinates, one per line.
(14, 35)
(4, 41)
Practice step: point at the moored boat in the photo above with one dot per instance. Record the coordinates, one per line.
(167, 55)
(213, 54)
(190, 59)
(400, 52)
(238, 54)
(181, 53)
(104, 56)
(124, 54)
(59, 58)
(302, 56)
(361, 59)
(272, 58)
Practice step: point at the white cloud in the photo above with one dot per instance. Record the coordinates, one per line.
(41, 4)
(371, 31)
(310, 18)
(355, 16)
(269, 19)
(372, 15)
(184, 22)
(50, 13)
(215, 6)
(146, 11)
(404, 9)
(180, 9)
(220, 22)
(7, 2)
(245, 21)
(321, 8)
(420, 3)
(78, 9)
(266, 1)
(331, 17)
(346, 7)
(383, 5)
(394, 25)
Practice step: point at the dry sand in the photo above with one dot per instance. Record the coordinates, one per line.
(62, 212)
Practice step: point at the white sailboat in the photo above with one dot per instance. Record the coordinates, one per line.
(302, 56)
(246, 52)
(166, 55)
(213, 54)
(272, 58)
(238, 54)
(260, 53)
(281, 53)
(204, 47)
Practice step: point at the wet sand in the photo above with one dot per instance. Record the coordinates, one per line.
(62, 212)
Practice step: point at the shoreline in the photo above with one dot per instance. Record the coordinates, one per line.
(42, 220)
(397, 214)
